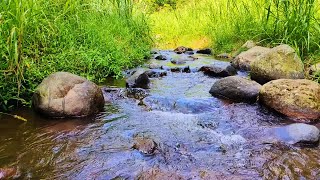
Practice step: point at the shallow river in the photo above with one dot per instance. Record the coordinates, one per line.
(194, 136)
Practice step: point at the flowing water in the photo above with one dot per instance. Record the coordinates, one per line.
(193, 136)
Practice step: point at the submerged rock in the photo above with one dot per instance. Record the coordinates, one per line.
(244, 59)
(204, 51)
(145, 145)
(136, 93)
(298, 133)
(139, 79)
(156, 73)
(9, 173)
(182, 49)
(280, 62)
(218, 71)
(236, 89)
(178, 61)
(298, 98)
(63, 94)
(158, 174)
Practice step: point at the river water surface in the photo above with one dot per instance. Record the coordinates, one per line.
(195, 136)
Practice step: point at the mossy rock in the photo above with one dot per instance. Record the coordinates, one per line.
(299, 98)
(280, 62)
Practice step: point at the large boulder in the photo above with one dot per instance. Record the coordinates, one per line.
(139, 79)
(236, 88)
(298, 98)
(63, 94)
(244, 59)
(280, 62)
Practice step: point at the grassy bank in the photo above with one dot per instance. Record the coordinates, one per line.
(91, 38)
(226, 24)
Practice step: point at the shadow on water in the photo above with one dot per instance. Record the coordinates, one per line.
(193, 136)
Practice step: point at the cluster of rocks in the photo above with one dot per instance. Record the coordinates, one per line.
(276, 81)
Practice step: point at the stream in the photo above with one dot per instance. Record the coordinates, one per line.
(188, 133)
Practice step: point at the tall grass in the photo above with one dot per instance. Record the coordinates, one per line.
(91, 38)
(226, 24)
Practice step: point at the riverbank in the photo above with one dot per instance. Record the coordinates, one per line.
(93, 39)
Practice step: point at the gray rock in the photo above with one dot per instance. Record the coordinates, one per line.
(63, 94)
(236, 88)
(243, 60)
(156, 73)
(139, 79)
(298, 133)
(218, 71)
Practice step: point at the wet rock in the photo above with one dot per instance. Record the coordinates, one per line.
(236, 88)
(182, 49)
(178, 61)
(136, 93)
(224, 56)
(139, 79)
(294, 98)
(298, 133)
(154, 66)
(233, 140)
(158, 174)
(161, 57)
(145, 145)
(112, 94)
(156, 73)
(183, 69)
(183, 105)
(8, 173)
(280, 62)
(204, 51)
(63, 94)
(243, 60)
(218, 71)
(210, 124)
(249, 44)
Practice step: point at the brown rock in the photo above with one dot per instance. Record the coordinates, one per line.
(145, 145)
(63, 94)
(294, 98)
(182, 49)
(158, 174)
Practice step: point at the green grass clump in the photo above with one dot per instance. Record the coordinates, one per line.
(91, 38)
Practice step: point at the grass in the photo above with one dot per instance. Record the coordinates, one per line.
(91, 38)
(226, 24)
